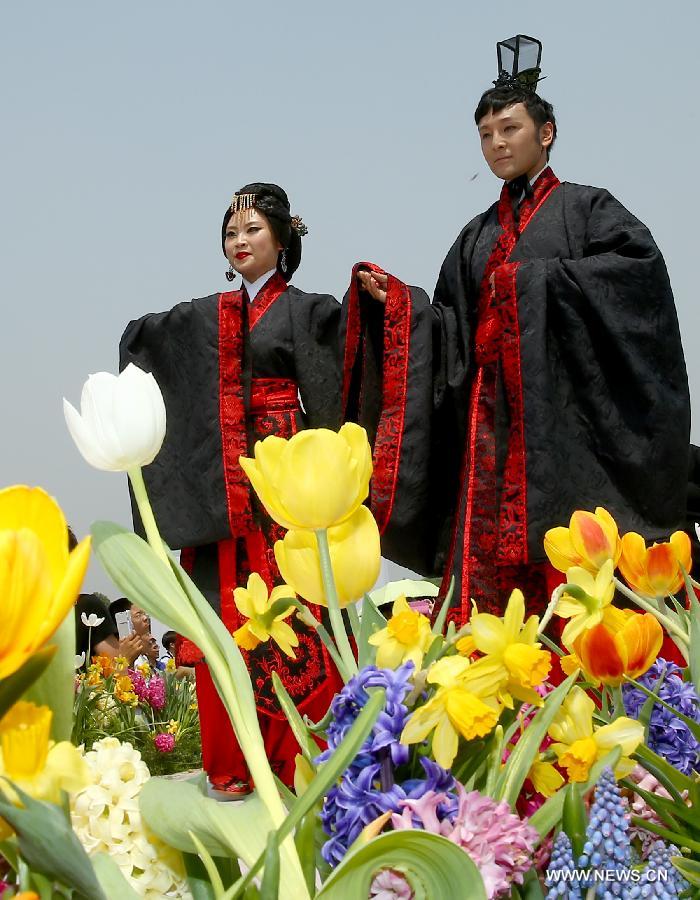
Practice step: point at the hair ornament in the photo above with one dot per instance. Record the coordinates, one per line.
(242, 202)
(298, 225)
(519, 63)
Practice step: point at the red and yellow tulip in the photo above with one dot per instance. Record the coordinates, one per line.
(590, 541)
(625, 643)
(655, 571)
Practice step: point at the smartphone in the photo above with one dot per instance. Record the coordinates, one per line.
(125, 626)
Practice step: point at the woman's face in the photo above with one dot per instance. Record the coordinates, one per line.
(250, 244)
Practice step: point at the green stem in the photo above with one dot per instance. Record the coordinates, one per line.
(336, 617)
(308, 618)
(146, 513)
(649, 607)
(351, 610)
(618, 703)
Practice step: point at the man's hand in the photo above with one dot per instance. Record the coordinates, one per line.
(374, 283)
(132, 646)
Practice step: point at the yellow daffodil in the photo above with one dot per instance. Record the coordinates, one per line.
(655, 571)
(465, 645)
(355, 558)
(31, 761)
(512, 644)
(590, 541)
(544, 777)
(464, 704)
(39, 579)
(170, 665)
(252, 601)
(578, 745)
(585, 599)
(144, 669)
(314, 480)
(625, 643)
(407, 636)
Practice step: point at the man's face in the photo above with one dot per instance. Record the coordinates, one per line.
(140, 621)
(512, 144)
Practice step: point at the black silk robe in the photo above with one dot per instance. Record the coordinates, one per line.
(546, 376)
(232, 373)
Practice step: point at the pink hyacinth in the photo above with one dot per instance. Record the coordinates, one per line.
(390, 885)
(156, 693)
(165, 743)
(139, 683)
(500, 844)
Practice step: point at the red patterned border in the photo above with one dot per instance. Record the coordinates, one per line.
(390, 430)
(232, 418)
(265, 297)
(353, 328)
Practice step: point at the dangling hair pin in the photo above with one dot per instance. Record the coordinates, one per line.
(242, 202)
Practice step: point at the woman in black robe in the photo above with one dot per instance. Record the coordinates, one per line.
(546, 376)
(234, 368)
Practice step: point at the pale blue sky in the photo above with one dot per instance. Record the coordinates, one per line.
(126, 128)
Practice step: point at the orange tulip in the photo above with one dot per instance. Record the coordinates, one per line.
(624, 643)
(590, 541)
(655, 571)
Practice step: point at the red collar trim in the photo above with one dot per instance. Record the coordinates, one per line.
(265, 297)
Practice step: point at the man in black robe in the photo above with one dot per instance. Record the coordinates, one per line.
(546, 376)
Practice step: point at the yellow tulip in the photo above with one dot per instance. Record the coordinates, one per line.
(39, 579)
(511, 643)
(31, 761)
(578, 745)
(590, 540)
(252, 601)
(655, 571)
(355, 558)
(585, 603)
(316, 479)
(464, 704)
(407, 636)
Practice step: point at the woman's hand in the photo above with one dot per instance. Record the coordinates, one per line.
(374, 283)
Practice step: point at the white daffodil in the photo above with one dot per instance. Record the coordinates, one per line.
(121, 423)
(91, 621)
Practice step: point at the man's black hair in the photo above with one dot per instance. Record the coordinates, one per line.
(496, 99)
(168, 639)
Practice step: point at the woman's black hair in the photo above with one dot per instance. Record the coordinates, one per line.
(272, 201)
(498, 98)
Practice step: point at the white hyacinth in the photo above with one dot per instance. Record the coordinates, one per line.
(106, 819)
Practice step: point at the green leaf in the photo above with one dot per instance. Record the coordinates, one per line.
(439, 622)
(550, 813)
(525, 751)
(48, 844)
(224, 829)
(209, 865)
(111, 879)
(55, 687)
(308, 745)
(674, 781)
(371, 620)
(689, 869)
(270, 885)
(406, 587)
(667, 834)
(12, 687)
(198, 880)
(431, 864)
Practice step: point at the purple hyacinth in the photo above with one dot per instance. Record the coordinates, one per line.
(668, 735)
(359, 798)
(156, 693)
(351, 700)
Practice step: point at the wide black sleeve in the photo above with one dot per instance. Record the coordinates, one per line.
(185, 482)
(604, 381)
(316, 338)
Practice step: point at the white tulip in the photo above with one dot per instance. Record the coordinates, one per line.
(121, 423)
(91, 621)
(79, 660)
